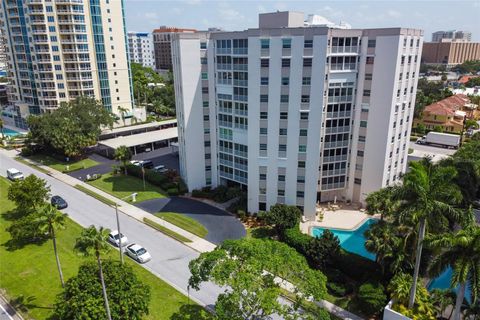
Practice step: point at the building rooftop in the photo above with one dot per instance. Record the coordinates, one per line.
(448, 106)
(141, 138)
(139, 126)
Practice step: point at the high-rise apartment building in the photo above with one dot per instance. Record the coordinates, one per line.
(452, 36)
(140, 48)
(3, 55)
(162, 43)
(63, 49)
(296, 114)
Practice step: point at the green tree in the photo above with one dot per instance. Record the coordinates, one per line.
(49, 220)
(252, 293)
(471, 310)
(1, 128)
(372, 297)
(473, 82)
(461, 252)
(438, 129)
(383, 242)
(420, 128)
(73, 127)
(470, 123)
(382, 202)
(469, 66)
(427, 196)
(29, 194)
(122, 111)
(442, 299)
(123, 154)
(322, 250)
(129, 298)
(94, 242)
(282, 217)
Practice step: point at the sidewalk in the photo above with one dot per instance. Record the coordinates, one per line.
(7, 312)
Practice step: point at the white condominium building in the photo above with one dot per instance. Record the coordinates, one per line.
(296, 113)
(140, 48)
(62, 49)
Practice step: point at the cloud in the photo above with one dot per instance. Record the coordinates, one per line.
(230, 14)
(176, 10)
(193, 2)
(394, 14)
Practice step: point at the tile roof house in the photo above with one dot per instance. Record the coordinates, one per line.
(448, 113)
(464, 79)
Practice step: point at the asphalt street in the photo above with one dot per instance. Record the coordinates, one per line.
(170, 258)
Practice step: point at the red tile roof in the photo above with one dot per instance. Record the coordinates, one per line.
(447, 106)
(464, 79)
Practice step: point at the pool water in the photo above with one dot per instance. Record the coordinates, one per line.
(351, 240)
(443, 282)
(10, 132)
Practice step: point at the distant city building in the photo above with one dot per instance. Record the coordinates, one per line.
(61, 50)
(140, 49)
(452, 36)
(3, 54)
(295, 114)
(162, 43)
(450, 53)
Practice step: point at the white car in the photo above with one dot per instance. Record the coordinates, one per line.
(160, 169)
(139, 253)
(136, 163)
(114, 238)
(14, 174)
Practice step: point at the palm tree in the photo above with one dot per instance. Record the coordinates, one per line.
(381, 240)
(1, 127)
(49, 220)
(94, 242)
(123, 154)
(426, 196)
(122, 111)
(382, 202)
(471, 310)
(442, 298)
(461, 252)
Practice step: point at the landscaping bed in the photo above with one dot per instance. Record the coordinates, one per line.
(184, 222)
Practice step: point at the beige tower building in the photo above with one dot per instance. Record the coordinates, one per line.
(62, 49)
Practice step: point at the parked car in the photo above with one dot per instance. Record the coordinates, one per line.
(58, 202)
(160, 169)
(147, 164)
(14, 174)
(114, 238)
(138, 253)
(135, 162)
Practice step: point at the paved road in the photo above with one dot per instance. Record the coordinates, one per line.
(169, 258)
(431, 149)
(220, 224)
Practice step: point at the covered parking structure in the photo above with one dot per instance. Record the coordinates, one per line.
(142, 142)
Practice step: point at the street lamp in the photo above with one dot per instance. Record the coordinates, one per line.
(133, 195)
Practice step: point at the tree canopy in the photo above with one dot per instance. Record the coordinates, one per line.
(470, 66)
(282, 217)
(29, 194)
(429, 92)
(248, 268)
(71, 128)
(82, 296)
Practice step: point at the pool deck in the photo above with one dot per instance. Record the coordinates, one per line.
(336, 216)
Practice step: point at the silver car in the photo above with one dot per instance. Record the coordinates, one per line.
(114, 238)
(138, 253)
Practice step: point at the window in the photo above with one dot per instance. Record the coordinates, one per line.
(61, 95)
(58, 67)
(264, 98)
(263, 115)
(372, 43)
(403, 60)
(205, 104)
(204, 76)
(283, 115)
(206, 143)
(307, 62)
(281, 177)
(61, 86)
(301, 164)
(360, 153)
(265, 43)
(281, 193)
(368, 76)
(285, 63)
(205, 90)
(366, 93)
(282, 147)
(305, 98)
(303, 132)
(50, 19)
(49, 8)
(358, 181)
(51, 28)
(56, 58)
(264, 81)
(59, 77)
(263, 131)
(263, 191)
(203, 45)
(263, 176)
(264, 63)
(363, 124)
(301, 179)
(206, 117)
(306, 81)
(302, 148)
(284, 98)
(286, 43)
(203, 60)
(282, 131)
(263, 147)
(300, 194)
(308, 44)
(361, 138)
(303, 115)
(370, 60)
(285, 81)
(55, 48)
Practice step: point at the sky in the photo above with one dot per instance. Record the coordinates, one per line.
(231, 15)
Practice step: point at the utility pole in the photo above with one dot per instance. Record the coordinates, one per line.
(119, 234)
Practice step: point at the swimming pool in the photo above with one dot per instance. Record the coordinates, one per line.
(351, 240)
(443, 282)
(10, 133)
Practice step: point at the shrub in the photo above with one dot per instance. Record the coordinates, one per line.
(172, 192)
(322, 314)
(296, 239)
(323, 250)
(336, 289)
(372, 297)
(356, 266)
(282, 217)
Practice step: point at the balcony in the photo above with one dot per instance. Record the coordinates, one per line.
(344, 129)
(335, 144)
(337, 172)
(339, 114)
(36, 11)
(339, 158)
(344, 49)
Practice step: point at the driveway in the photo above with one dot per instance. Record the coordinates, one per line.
(220, 224)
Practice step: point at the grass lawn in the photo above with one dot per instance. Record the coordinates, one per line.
(184, 222)
(61, 165)
(30, 278)
(122, 186)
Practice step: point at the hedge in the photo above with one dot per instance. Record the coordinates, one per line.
(220, 194)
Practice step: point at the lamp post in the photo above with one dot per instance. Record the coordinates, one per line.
(133, 195)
